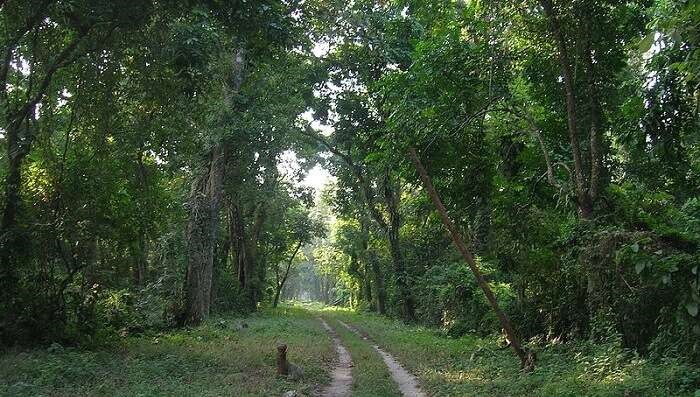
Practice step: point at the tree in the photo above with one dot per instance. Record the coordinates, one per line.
(297, 229)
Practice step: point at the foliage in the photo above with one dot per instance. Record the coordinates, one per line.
(154, 162)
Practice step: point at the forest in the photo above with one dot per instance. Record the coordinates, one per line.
(501, 198)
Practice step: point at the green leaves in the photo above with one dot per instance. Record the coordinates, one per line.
(692, 308)
(646, 42)
(639, 267)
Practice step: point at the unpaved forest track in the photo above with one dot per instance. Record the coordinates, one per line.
(342, 373)
(408, 384)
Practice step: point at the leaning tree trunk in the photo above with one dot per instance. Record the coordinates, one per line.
(280, 284)
(526, 358)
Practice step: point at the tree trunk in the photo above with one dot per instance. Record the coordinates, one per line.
(280, 285)
(364, 258)
(238, 244)
(586, 192)
(595, 140)
(140, 259)
(372, 271)
(276, 299)
(141, 248)
(584, 201)
(367, 283)
(254, 283)
(9, 238)
(380, 292)
(526, 358)
(204, 202)
(392, 202)
(245, 243)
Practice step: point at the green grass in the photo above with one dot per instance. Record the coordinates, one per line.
(370, 376)
(476, 367)
(218, 358)
(222, 358)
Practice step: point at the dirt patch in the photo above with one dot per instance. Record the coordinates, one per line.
(342, 373)
(408, 384)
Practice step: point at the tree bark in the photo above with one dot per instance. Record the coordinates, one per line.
(205, 199)
(204, 203)
(526, 358)
(595, 116)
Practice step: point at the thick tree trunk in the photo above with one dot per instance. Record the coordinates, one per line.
(255, 274)
(595, 140)
(526, 358)
(204, 203)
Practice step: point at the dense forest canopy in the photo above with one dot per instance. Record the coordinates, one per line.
(531, 168)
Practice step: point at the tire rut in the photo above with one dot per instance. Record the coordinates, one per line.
(408, 384)
(341, 383)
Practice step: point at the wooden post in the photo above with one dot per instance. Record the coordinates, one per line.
(282, 365)
(526, 358)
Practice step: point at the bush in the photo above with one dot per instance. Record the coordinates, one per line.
(452, 300)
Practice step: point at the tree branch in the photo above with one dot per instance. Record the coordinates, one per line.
(357, 172)
(60, 61)
(564, 62)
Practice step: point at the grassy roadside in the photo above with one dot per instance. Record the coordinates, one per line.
(476, 367)
(370, 376)
(218, 358)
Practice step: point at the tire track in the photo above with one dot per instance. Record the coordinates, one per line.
(341, 383)
(408, 384)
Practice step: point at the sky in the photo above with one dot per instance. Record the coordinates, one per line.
(317, 177)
